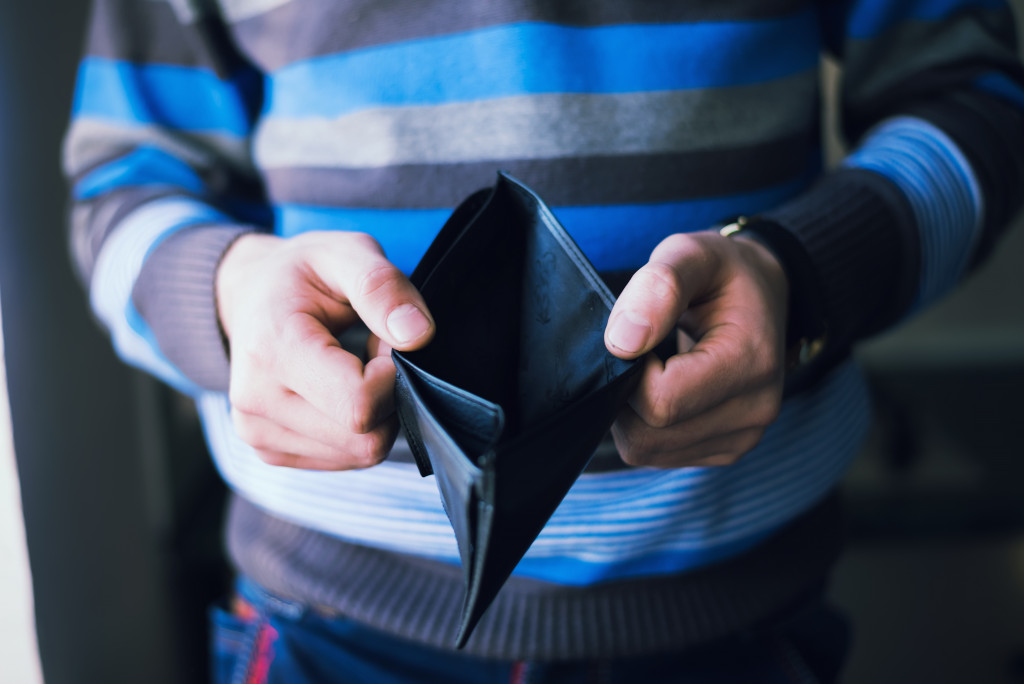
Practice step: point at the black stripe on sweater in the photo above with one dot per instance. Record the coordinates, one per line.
(285, 34)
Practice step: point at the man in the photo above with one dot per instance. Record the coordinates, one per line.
(253, 179)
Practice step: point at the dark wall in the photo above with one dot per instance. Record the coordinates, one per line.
(92, 521)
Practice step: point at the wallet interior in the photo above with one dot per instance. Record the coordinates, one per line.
(519, 324)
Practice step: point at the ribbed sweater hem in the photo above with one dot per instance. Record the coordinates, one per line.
(419, 599)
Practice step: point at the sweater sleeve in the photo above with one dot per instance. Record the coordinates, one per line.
(157, 155)
(932, 103)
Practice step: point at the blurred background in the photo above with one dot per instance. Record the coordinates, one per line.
(120, 504)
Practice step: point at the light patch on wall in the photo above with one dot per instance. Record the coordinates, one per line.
(19, 653)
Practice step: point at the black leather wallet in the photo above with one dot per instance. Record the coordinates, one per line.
(508, 402)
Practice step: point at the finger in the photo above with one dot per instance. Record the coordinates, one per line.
(705, 393)
(366, 451)
(719, 451)
(641, 446)
(333, 380)
(752, 409)
(264, 434)
(716, 461)
(377, 347)
(380, 293)
(290, 420)
(287, 460)
(681, 268)
(728, 361)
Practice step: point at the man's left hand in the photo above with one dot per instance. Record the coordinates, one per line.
(710, 403)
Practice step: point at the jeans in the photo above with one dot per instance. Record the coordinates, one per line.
(269, 640)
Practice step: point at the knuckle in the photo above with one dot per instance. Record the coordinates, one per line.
(767, 412)
(658, 404)
(328, 240)
(246, 403)
(634, 458)
(378, 280)
(252, 433)
(695, 248)
(363, 241)
(296, 331)
(660, 281)
(360, 414)
(765, 405)
(659, 410)
(767, 366)
(374, 450)
(633, 449)
(257, 354)
(679, 243)
(746, 443)
(308, 240)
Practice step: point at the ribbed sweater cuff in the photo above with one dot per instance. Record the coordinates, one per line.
(989, 130)
(175, 295)
(859, 233)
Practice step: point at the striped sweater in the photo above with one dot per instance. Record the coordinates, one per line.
(195, 122)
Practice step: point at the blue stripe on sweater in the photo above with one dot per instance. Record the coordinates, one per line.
(942, 190)
(530, 58)
(870, 18)
(185, 98)
(146, 165)
(1002, 86)
(575, 572)
(613, 237)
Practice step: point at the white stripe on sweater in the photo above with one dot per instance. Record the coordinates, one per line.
(117, 269)
(607, 517)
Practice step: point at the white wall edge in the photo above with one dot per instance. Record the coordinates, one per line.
(19, 650)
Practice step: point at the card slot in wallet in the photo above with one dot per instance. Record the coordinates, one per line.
(509, 401)
(474, 424)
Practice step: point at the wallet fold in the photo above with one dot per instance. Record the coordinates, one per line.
(509, 401)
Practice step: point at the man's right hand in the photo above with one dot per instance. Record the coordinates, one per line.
(297, 397)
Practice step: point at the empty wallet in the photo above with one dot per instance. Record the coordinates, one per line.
(509, 401)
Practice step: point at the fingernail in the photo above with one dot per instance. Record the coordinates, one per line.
(407, 323)
(629, 332)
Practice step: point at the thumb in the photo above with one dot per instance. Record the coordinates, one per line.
(680, 270)
(381, 295)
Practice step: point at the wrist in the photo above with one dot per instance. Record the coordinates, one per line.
(230, 277)
(806, 328)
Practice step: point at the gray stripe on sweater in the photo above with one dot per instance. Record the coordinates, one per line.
(93, 220)
(875, 67)
(186, 33)
(353, 24)
(139, 32)
(187, 11)
(545, 127)
(150, 31)
(574, 181)
(90, 142)
(237, 10)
